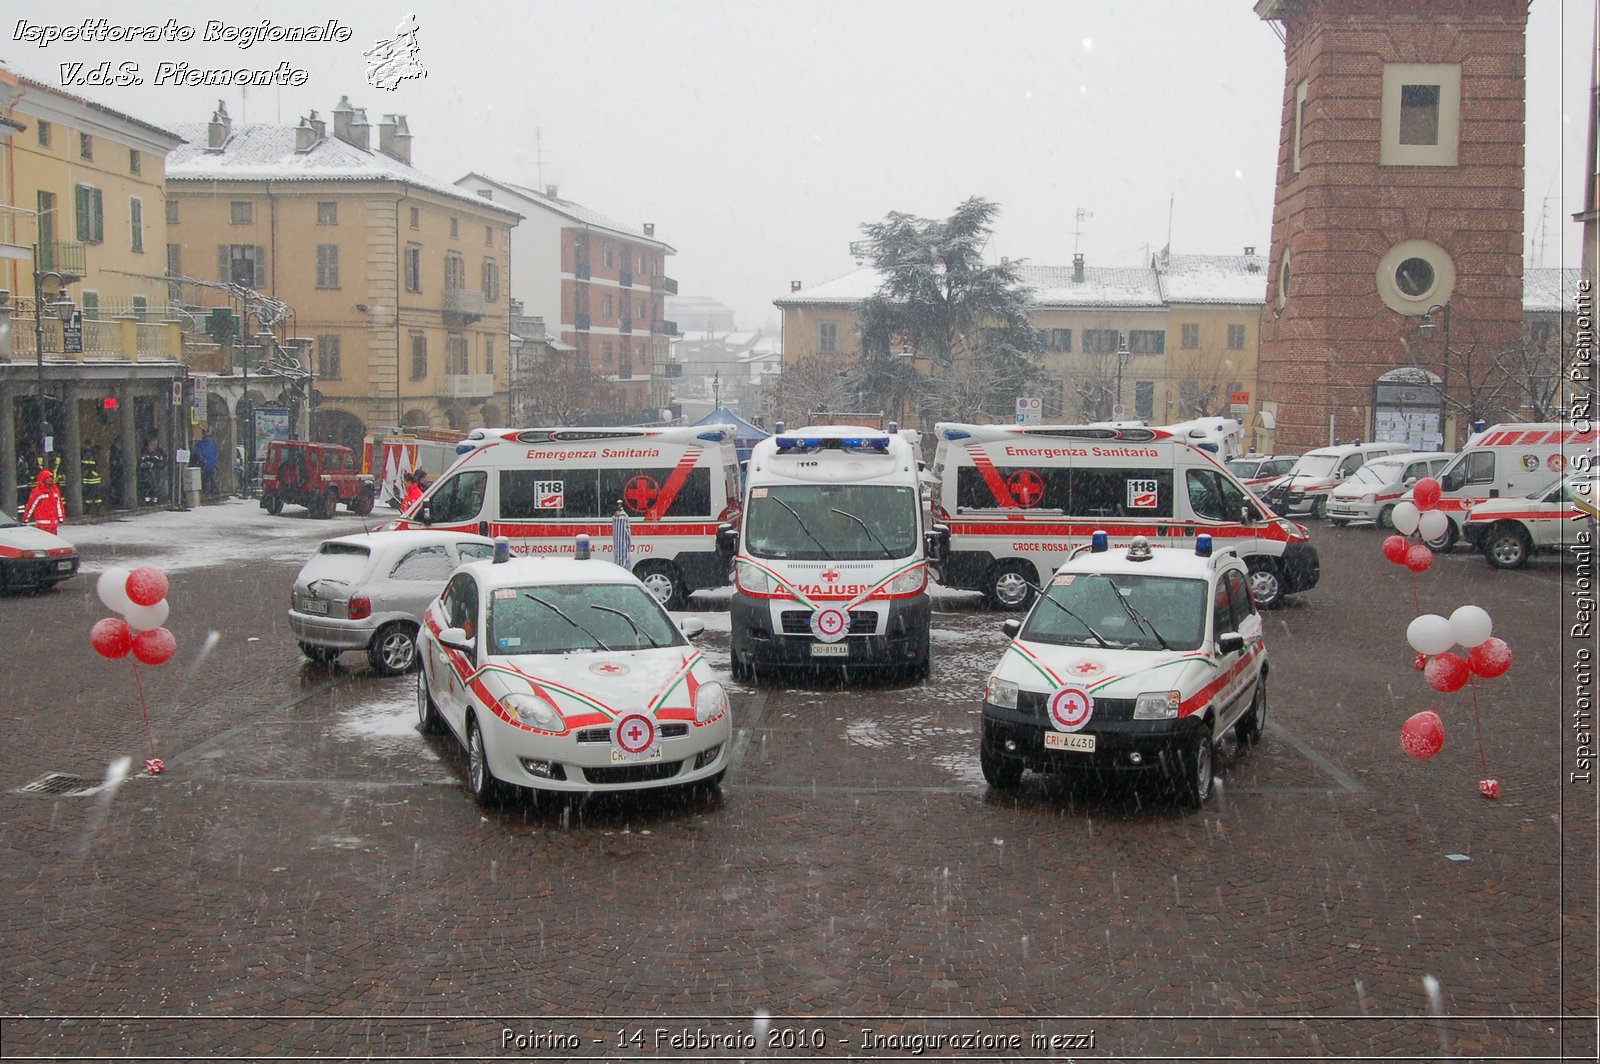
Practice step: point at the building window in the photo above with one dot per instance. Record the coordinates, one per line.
(242, 264)
(1419, 114)
(136, 222)
(240, 212)
(606, 307)
(91, 214)
(455, 272)
(1058, 340)
(85, 146)
(1299, 122)
(327, 265)
(416, 218)
(488, 236)
(328, 212)
(172, 212)
(134, 161)
(413, 268)
(455, 360)
(608, 257)
(44, 134)
(1283, 279)
(606, 355)
(455, 228)
(1421, 117)
(328, 367)
(1147, 341)
(1236, 338)
(141, 308)
(488, 355)
(174, 260)
(1413, 275)
(491, 280)
(419, 355)
(828, 337)
(91, 306)
(1100, 341)
(642, 266)
(1189, 336)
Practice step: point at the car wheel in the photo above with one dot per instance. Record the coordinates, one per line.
(486, 790)
(273, 504)
(393, 649)
(320, 655)
(1002, 771)
(1319, 509)
(1339, 522)
(741, 669)
(1445, 541)
(365, 501)
(323, 508)
(1386, 517)
(1009, 587)
(428, 718)
(1266, 584)
(661, 580)
(1507, 547)
(1250, 726)
(1194, 790)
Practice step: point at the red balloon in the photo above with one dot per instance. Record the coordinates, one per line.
(1419, 556)
(1395, 547)
(1422, 735)
(155, 646)
(1445, 672)
(111, 637)
(1425, 494)
(1490, 658)
(147, 585)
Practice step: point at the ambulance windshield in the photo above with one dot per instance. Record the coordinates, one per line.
(831, 522)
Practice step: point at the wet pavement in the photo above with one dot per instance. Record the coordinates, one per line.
(311, 879)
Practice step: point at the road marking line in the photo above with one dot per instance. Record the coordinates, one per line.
(742, 742)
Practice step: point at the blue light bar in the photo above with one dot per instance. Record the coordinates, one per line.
(956, 434)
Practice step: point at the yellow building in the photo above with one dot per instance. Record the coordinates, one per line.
(395, 283)
(82, 219)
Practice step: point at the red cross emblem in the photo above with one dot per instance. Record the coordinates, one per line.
(641, 493)
(1026, 487)
(830, 575)
(1087, 668)
(636, 736)
(608, 668)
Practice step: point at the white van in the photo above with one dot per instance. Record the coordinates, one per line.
(831, 556)
(1018, 498)
(1371, 492)
(1511, 460)
(541, 488)
(1310, 483)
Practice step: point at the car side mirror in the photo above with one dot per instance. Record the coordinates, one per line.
(1247, 514)
(1230, 643)
(456, 639)
(727, 542)
(692, 627)
(1411, 482)
(425, 515)
(1011, 626)
(936, 543)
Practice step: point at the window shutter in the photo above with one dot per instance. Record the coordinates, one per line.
(261, 267)
(80, 205)
(99, 215)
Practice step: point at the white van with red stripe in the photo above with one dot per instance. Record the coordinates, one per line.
(541, 488)
(1018, 498)
(1507, 530)
(1507, 461)
(831, 556)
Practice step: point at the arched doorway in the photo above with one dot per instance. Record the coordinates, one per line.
(416, 420)
(1407, 407)
(341, 426)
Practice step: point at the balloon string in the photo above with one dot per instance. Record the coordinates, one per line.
(1478, 722)
(139, 686)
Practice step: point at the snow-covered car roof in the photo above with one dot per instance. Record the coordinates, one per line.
(404, 539)
(1163, 561)
(529, 572)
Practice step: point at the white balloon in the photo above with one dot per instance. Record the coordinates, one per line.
(112, 587)
(1430, 634)
(1471, 625)
(1432, 525)
(146, 618)
(1405, 518)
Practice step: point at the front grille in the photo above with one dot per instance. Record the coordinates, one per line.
(644, 772)
(674, 730)
(1033, 704)
(798, 622)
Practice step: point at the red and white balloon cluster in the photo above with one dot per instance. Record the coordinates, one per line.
(1435, 640)
(140, 597)
(1421, 519)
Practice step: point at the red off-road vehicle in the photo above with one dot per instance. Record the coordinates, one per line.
(318, 476)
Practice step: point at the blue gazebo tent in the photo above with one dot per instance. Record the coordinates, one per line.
(745, 435)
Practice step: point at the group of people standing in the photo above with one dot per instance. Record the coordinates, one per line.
(40, 479)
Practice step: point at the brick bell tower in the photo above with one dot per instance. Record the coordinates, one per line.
(1399, 197)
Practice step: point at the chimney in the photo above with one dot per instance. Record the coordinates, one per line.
(1249, 249)
(309, 133)
(1077, 269)
(550, 192)
(794, 286)
(350, 123)
(649, 228)
(361, 130)
(221, 128)
(394, 138)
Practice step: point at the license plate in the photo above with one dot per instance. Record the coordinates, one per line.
(619, 758)
(63, 566)
(1055, 740)
(830, 650)
(315, 606)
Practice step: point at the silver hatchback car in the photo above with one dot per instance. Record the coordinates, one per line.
(368, 591)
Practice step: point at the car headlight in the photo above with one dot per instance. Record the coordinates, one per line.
(1002, 694)
(530, 709)
(909, 582)
(710, 702)
(1157, 705)
(753, 579)
(1369, 498)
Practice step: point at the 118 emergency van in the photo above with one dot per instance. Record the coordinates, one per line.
(831, 556)
(1510, 460)
(1018, 498)
(541, 488)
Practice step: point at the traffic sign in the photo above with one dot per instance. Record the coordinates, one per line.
(1029, 409)
(1117, 412)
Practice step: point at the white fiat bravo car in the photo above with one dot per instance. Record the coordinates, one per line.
(1132, 659)
(565, 674)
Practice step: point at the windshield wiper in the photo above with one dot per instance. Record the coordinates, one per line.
(802, 524)
(1098, 638)
(553, 608)
(636, 629)
(887, 553)
(1138, 618)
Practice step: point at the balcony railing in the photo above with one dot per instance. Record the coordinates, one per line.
(469, 385)
(625, 325)
(463, 304)
(582, 271)
(66, 259)
(121, 338)
(664, 328)
(669, 285)
(581, 322)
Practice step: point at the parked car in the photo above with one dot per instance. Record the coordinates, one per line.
(563, 674)
(1306, 488)
(32, 559)
(1260, 471)
(1507, 530)
(368, 591)
(318, 476)
(1133, 659)
(1370, 493)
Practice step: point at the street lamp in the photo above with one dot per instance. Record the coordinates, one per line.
(62, 307)
(1123, 354)
(1426, 327)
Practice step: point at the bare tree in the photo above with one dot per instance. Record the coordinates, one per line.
(1533, 378)
(558, 391)
(1204, 378)
(808, 385)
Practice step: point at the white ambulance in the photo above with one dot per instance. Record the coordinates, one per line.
(1511, 460)
(831, 556)
(1018, 498)
(541, 488)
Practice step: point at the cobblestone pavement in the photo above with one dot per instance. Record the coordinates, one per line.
(311, 879)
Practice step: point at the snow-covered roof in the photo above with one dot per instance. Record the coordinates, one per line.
(1235, 279)
(846, 289)
(1548, 290)
(1054, 286)
(575, 211)
(261, 152)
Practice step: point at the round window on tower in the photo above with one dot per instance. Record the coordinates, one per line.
(1415, 275)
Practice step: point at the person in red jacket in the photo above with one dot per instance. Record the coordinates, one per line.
(44, 504)
(419, 484)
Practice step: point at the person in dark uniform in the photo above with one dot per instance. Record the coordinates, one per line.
(115, 468)
(92, 497)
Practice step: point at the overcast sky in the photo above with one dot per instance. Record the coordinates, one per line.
(758, 137)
